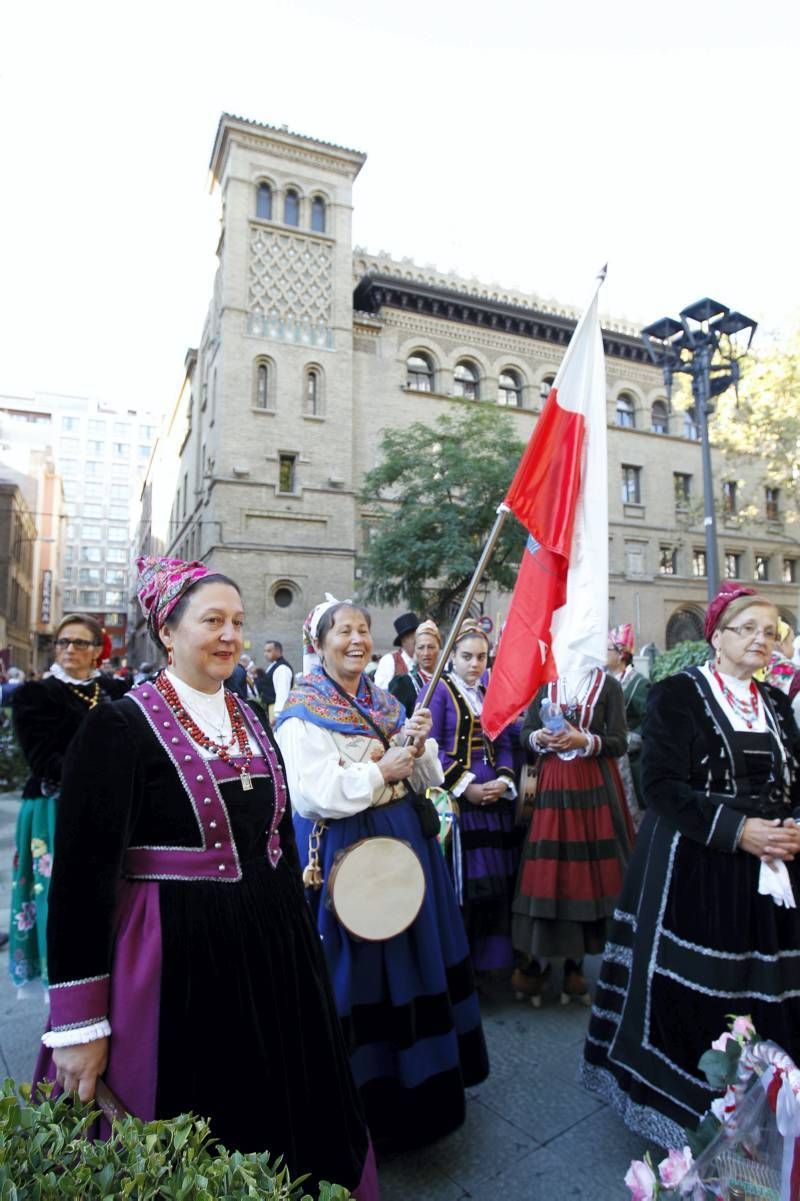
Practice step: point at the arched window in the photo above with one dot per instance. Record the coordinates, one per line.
(264, 202)
(318, 215)
(509, 389)
(466, 381)
(626, 411)
(312, 392)
(419, 372)
(659, 417)
(545, 386)
(685, 625)
(264, 384)
(291, 208)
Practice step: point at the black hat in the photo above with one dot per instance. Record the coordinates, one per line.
(404, 624)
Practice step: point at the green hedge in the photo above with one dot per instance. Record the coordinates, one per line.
(683, 654)
(45, 1156)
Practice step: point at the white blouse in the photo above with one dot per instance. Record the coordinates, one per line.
(211, 714)
(741, 690)
(322, 787)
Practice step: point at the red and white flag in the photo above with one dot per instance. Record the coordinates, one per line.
(557, 623)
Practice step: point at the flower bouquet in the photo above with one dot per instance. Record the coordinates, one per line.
(747, 1147)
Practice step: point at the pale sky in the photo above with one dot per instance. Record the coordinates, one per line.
(521, 142)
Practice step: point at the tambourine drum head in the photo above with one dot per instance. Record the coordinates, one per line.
(377, 888)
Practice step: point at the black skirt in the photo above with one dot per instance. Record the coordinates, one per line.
(692, 941)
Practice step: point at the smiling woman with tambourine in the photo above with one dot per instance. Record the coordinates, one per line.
(378, 885)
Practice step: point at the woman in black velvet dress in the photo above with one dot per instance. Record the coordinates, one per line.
(702, 928)
(47, 715)
(185, 967)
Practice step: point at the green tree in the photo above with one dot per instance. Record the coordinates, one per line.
(764, 424)
(429, 507)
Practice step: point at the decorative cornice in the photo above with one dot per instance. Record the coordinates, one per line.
(377, 290)
(406, 269)
(284, 142)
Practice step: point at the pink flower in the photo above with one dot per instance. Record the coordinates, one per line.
(743, 1026)
(640, 1179)
(674, 1168)
(44, 865)
(719, 1044)
(26, 918)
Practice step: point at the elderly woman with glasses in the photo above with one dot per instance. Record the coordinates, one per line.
(47, 715)
(706, 924)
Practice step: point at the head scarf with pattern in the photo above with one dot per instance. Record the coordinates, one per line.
(621, 638)
(162, 583)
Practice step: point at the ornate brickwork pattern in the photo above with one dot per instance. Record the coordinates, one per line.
(290, 287)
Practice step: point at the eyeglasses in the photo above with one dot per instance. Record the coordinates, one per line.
(80, 644)
(750, 629)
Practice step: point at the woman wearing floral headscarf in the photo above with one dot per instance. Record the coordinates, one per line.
(185, 967)
(408, 1002)
(706, 924)
(47, 715)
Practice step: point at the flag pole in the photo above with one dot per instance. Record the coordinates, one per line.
(499, 521)
(502, 513)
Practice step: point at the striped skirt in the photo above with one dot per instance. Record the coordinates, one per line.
(574, 859)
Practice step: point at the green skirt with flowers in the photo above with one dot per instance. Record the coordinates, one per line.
(33, 865)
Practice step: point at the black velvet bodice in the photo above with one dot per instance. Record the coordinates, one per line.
(47, 715)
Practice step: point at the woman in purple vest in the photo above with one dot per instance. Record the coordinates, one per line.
(479, 774)
(184, 964)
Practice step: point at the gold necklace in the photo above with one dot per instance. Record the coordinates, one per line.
(90, 699)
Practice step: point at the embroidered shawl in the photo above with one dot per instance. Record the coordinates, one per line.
(315, 699)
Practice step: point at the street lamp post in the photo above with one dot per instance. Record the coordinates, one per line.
(706, 344)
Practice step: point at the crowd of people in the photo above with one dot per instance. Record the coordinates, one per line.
(308, 878)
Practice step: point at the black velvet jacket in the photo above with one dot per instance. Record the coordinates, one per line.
(47, 714)
(693, 773)
(120, 790)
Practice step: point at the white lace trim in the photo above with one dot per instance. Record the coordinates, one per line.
(75, 1038)
(58, 671)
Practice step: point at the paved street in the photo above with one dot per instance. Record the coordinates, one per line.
(532, 1134)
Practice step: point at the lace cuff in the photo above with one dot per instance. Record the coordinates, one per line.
(74, 1038)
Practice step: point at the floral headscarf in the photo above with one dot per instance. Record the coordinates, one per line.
(162, 583)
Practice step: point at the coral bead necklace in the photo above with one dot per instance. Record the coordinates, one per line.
(744, 707)
(185, 719)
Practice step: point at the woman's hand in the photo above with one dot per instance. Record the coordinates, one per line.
(493, 790)
(418, 727)
(569, 739)
(397, 763)
(485, 794)
(770, 840)
(78, 1067)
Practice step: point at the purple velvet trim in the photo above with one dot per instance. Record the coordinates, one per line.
(274, 851)
(368, 1189)
(132, 1070)
(78, 1002)
(216, 858)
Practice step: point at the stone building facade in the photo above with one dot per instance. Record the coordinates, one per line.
(17, 536)
(312, 348)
